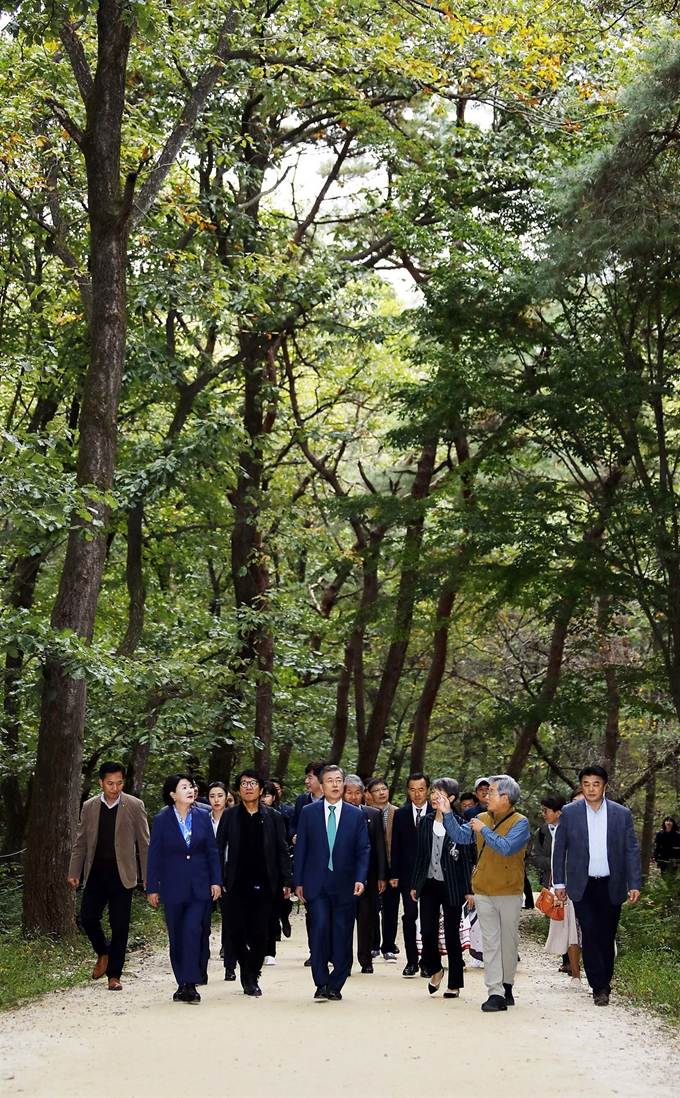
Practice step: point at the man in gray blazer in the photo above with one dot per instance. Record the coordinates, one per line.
(111, 824)
(596, 860)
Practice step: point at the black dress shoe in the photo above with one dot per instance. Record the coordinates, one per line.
(493, 1003)
(229, 974)
(178, 997)
(333, 996)
(509, 997)
(203, 980)
(451, 993)
(190, 994)
(285, 926)
(321, 994)
(308, 962)
(410, 970)
(368, 969)
(601, 998)
(433, 988)
(252, 988)
(424, 974)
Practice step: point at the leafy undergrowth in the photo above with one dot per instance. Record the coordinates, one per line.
(29, 967)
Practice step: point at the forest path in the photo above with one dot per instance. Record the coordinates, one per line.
(387, 1039)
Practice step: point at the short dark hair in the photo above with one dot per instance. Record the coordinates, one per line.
(315, 768)
(111, 768)
(554, 801)
(277, 779)
(594, 771)
(417, 776)
(217, 785)
(250, 772)
(269, 787)
(370, 785)
(672, 819)
(447, 785)
(170, 785)
(466, 797)
(331, 768)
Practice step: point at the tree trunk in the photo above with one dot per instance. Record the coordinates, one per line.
(403, 618)
(341, 722)
(48, 898)
(648, 824)
(283, 760)
(134, 575)
(420, 725)
(610, 745)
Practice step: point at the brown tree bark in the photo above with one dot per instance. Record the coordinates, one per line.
(403, 617)
(48, 898)
(648, 822)
(420, 725)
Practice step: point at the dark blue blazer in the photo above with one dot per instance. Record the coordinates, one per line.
(351, 851)
(301, 801)
(180, 872)
(571, 851)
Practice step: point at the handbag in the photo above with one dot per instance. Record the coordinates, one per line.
(551, 907)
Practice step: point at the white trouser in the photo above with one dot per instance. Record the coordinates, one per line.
(499, 923)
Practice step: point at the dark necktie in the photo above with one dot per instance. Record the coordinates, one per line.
(418, 817)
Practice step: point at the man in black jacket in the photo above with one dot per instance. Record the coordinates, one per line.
(256, 863)
(404, 831)
(376, 882)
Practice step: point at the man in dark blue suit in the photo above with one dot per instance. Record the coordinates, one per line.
(314, 793)
(332, 855)
(405, 826)
(596, 862)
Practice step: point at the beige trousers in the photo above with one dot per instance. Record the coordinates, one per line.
(499, 924)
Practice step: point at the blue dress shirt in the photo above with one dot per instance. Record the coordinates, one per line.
(516, 839)
(598, 864)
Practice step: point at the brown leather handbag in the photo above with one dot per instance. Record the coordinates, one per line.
(549, 905)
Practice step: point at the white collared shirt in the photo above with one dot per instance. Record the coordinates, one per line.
(338, 810)
(418, 812)
(598, 864)
(104, 801)
(215, 824)
(552, 828)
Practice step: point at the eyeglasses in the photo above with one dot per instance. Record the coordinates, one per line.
(249, 785)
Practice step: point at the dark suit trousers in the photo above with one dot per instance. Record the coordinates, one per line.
(249, 911)
(389, 903)
(598, 918)
(185, 923)
(366, 908)
(228, 952)
(105, 887)
(408, 923)
(432, 900)
(331, 933)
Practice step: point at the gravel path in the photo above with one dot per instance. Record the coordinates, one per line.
(387, 1039)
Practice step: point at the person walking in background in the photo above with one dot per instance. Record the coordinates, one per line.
(502, 834)
(184, 871)
(667, 845)
(283, 905)
(596, 861)
(467, 800)
(112, 825)
(541, 859)
(332, 857)
(441, 882)
(376, 881)
(218, 798)
(254, 852)
(481, 799)
(405, 825)
(313, 793)
(389, 900)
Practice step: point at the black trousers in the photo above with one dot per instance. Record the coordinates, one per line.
(280, 908)
(105, 887)
(389, 904)
(228, 953)
(598, 918)
(408, 923)
(432, 900)
(249, 911)
(367, 905)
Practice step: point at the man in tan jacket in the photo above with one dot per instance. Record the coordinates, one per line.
(502, 834)
(104, 857)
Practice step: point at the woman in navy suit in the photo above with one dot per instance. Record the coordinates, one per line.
(184, 871)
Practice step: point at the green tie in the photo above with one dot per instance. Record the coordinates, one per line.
(332, 827)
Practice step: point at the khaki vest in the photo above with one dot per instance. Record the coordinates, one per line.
(498, 874)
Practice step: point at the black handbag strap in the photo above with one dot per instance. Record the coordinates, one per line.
(494, 828)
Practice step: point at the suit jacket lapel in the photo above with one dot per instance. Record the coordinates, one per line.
(94, 825)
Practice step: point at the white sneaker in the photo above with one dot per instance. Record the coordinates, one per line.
(390, 958)
(475, 962)
(270, 960)
(576, 983)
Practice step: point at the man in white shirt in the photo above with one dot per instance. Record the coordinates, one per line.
(596, 860)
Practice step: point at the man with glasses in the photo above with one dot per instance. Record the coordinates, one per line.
(254, 851)
(502, 835)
